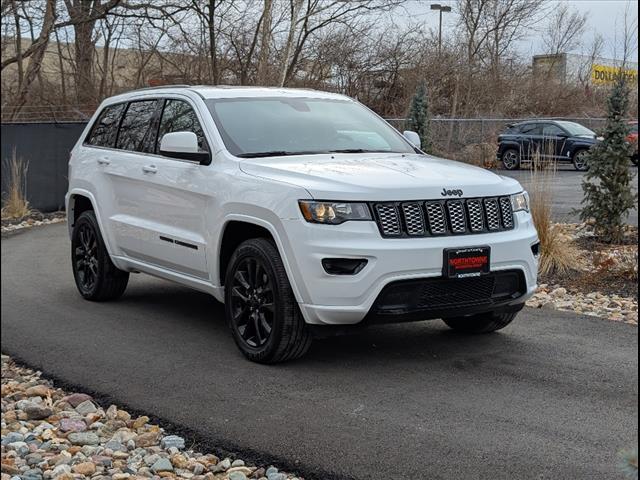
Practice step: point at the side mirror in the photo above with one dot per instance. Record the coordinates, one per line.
(413, 138)
(184, 146)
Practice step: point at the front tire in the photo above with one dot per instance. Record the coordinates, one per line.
(97, 278)
(511, 159)
(261, 310)
(482, 323)
(581, 160)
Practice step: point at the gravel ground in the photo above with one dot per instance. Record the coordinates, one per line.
(48, 433)
(605, 280)
(35, 219)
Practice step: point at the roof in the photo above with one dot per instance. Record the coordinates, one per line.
(224, 91)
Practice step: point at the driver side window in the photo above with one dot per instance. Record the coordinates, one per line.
(178, 116)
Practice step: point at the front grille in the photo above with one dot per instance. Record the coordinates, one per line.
(441, 294)
(444, 217)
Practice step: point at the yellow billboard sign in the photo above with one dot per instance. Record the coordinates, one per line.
(604, 74)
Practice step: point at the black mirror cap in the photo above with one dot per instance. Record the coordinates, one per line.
(203, 158)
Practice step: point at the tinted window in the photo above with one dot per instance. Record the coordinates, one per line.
(531, 129)
(136, 125)
(552, 130)
(178, 116)
(103, 133)
(273, 126)
(577, 129)
(513, 129)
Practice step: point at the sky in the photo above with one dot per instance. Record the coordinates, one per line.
(604, 16)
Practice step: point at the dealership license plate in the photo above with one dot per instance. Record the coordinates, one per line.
(467, 262)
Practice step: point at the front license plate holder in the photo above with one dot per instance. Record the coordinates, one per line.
(466, 262)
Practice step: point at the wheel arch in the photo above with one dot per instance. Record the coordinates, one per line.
(239, 228)
(79, 201)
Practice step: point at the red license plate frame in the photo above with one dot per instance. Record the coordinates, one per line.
(467, 262)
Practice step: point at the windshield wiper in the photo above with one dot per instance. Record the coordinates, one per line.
(273, 153)
(358, 150)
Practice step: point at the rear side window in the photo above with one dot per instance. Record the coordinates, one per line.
(136, 125)
(178, 116)
(104, 131)
(531, 129)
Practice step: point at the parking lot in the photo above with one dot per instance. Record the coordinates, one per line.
(567, 191)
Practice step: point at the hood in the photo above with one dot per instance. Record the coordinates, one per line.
(376, 177)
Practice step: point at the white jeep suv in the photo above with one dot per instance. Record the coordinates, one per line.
(300, 210)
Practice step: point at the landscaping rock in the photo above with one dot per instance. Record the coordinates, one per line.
(79, 440)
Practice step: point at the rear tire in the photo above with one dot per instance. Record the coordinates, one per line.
(260, 307)
(97, 278)
(580, 160)
(511, 159)
(482, 323)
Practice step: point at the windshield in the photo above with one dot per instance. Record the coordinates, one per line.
(261, 127)
(575, 129)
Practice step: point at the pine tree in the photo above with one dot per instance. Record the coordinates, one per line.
(607, 185)
(418, 120)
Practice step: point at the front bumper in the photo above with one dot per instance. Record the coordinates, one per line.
(345, 300)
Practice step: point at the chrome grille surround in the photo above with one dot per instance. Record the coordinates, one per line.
(388, 219)
(436, 217)
(457, 217)
(444, 217)
(476, 217)
(507, 212)
(493, 214)
(414, 219)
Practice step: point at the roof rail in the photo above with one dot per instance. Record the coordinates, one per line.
(163, 86)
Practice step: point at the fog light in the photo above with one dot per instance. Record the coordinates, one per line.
(344, 266)
(535, 249)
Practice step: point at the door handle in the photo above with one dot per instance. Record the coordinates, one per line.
(150, 169)
(104, 161)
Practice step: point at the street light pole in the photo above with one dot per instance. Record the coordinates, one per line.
(440, 8)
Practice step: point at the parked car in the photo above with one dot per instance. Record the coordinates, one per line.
(632, 138)
(302, 211)
(545, 140)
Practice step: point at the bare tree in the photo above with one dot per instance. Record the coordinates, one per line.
(83, 15)
(35, 61)
(564, 30)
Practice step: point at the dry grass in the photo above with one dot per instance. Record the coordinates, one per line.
(558, 254)
(479, 154)
(16, 205)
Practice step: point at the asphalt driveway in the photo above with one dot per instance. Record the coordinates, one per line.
(555, 395)
(566, 188)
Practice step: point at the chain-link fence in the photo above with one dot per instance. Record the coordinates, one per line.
(46, 113)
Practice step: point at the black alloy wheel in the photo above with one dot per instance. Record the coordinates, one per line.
(252, 302)
(97, 278)
(86, 258)
(261, 309)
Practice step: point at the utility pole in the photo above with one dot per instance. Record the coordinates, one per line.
(440, 8)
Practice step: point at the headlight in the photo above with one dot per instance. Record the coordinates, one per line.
(333, 213)
(520, 202)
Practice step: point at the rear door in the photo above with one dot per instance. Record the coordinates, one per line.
(531, 140)
(124, 170)
(164, 201)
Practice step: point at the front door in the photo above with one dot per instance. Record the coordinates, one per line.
(554, 139)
